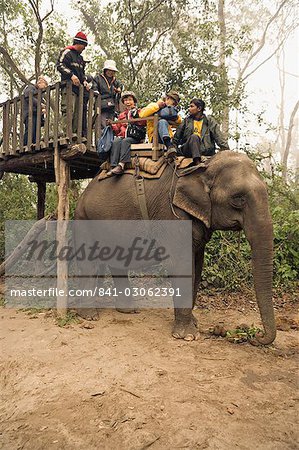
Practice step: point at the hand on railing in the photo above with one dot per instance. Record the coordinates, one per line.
(86, 85)
(75, 80)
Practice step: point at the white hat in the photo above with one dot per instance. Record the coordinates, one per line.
(110, 65)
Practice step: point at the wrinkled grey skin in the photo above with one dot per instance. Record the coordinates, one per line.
(228, 195)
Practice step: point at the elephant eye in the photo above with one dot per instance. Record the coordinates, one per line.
(238, 201)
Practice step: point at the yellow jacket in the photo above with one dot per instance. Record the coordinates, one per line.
(150, 110)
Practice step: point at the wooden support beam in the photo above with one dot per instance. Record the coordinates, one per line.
(41, 199)
(61, 235)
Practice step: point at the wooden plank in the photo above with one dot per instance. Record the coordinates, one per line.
(56, 114)
(21, 137)
(98, 130)
(69, 111)
(38, 119)
(135, 120)
(155, 138)
(80, 114)
(47, 120)
(30, 120)
(146, 153)
(2, 147)
(89, 119)
(15, 127)
(147, 146)
(6, 128)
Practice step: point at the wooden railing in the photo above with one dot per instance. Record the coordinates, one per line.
(49, 135)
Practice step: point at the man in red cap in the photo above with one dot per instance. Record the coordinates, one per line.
(71, 66)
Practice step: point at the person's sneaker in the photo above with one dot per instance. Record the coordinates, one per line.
(171, 152)
(118, 170)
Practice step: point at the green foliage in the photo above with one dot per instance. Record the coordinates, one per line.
(17, 202)
(70, 318)
(18, 197)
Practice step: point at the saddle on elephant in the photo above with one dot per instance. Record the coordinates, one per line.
(147, 168)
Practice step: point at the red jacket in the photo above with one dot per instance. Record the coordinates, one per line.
(120, 129)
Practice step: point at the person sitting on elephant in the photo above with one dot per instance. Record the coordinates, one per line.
(166, 124)
(126, 134)
(198, 133)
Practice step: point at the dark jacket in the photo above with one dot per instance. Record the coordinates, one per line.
(71, 62)
(210, 135)
(105, 87)
(26, 93)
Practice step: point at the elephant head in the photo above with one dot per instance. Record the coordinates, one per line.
(230, 195)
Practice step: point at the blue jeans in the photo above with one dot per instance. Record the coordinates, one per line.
(163, 130)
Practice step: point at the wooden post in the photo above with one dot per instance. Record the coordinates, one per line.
(156, 139)
(38, 119)
(89, 120)
(61, 236)
(21, 141)
(14, 126)
(98, 130)
(30, 121)
(80, 114)
(47, 119)
(6, 127)
(69, 111)
(41, 199)
(62, 176)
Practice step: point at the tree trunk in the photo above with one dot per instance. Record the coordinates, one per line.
(223, 68)
(289, 140)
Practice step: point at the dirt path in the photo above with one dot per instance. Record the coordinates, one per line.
(126, 384)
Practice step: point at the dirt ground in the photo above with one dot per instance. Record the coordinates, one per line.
(124, 383)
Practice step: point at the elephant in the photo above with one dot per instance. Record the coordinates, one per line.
(226, 194)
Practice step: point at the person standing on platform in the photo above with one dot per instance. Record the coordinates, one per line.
(71, 66)
(110, 90)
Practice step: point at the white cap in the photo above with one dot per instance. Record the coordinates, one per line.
(110, 65)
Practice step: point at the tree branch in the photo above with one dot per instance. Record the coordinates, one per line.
(13, 65)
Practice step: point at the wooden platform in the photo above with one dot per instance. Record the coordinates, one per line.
(146, 150)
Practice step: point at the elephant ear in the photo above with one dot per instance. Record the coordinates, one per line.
(192, 196)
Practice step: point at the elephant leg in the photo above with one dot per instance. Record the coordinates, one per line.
(123, 303)
(185, 325)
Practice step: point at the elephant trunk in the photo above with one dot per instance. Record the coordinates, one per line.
(259, 232)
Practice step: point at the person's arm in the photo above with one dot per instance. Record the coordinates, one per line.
(217, 134)
(149, 110)
(63, 64)
(96, 85)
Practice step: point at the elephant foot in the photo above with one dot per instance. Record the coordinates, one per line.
(127, 307)
(186, 330)
(88, 313)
